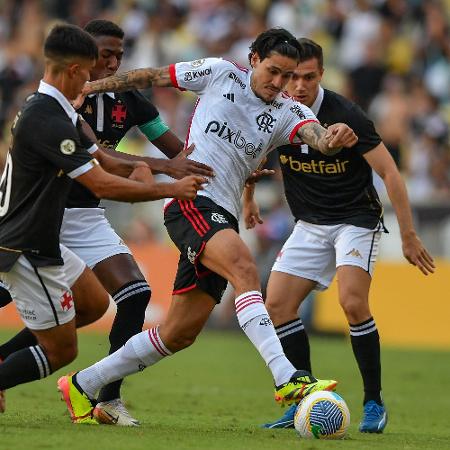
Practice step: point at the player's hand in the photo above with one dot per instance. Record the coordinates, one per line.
(78, 102)
(180, 166)
(340, 135)
(187, 187)
(257, 175)
(417, 254)
(251, 214)
(141, 173)
(87, 88)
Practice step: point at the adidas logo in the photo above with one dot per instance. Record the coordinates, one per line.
(229, 97)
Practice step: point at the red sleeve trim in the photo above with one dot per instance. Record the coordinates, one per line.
(297, 127)
(173, 77)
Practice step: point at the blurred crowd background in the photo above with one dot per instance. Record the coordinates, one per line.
(390, 56)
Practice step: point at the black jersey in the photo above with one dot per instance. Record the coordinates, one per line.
(330, 190)
(46, 152)
(110, 117)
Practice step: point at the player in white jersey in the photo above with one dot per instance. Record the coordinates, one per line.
(240, 117)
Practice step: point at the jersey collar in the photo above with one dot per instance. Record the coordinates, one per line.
(317, 102)
(48, 89)
(109, 94)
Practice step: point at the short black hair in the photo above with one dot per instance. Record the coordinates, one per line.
(310, 49)
(276, 40)
(65, 41)
(100, 27)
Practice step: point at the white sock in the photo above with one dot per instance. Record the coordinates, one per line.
(140, 351)
(256, 324)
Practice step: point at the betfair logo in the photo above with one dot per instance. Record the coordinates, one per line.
(321, 167)
(355, 253)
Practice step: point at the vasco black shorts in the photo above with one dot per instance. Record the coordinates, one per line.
(190, 225)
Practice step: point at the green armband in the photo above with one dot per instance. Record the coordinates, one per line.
(154, 129)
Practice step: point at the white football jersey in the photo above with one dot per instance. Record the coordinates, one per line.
(232, 129)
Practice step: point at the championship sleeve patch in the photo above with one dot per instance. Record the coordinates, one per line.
(67, 146)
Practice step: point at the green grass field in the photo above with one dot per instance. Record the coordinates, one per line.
(215, 394)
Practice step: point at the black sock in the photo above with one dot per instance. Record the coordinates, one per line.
(366, 348)
(23, 366)
(295, 344)
(132, 300)
(23, 339)
(5, 296)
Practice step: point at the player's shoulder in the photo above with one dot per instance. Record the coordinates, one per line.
(219, 65)
(40, 110)
(334, 101)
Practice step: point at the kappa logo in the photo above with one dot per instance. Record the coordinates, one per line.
(192, 255)
(219, 218)
(88, 109)
(141, 367)
(67, 147)
(354, 252)
(265, 122)
(190, 76)
(229, 97)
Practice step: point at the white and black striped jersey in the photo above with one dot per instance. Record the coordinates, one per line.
(331, 190)
(46, 152)
(232, 128)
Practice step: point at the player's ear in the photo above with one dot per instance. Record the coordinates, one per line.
(254, 59)
(73, 69)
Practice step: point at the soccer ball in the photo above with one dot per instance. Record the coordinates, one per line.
(322, 415)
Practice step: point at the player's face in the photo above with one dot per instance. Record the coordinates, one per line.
(271, 75)
(110, 52)
(304, 85)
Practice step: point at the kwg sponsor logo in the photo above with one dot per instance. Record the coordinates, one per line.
(190, 76)
(237, 80)
(296, 109)
(233, 137)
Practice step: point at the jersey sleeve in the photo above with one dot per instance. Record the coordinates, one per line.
(368, 138)
(85, 140)
(297, 116)
(143, 109)
(61, 146)
(196, 76)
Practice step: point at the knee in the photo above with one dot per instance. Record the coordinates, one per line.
(178, 341)
(98, 307)
(355, 308)
(245, 275)
(280, 313)
(60, 355)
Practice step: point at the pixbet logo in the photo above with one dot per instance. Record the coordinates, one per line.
(233, 137)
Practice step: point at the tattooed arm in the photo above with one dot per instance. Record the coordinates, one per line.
(328, 141)
(133, 79)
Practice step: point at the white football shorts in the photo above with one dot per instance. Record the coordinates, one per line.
(315, 251)
(42, 294)
(87, 232)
